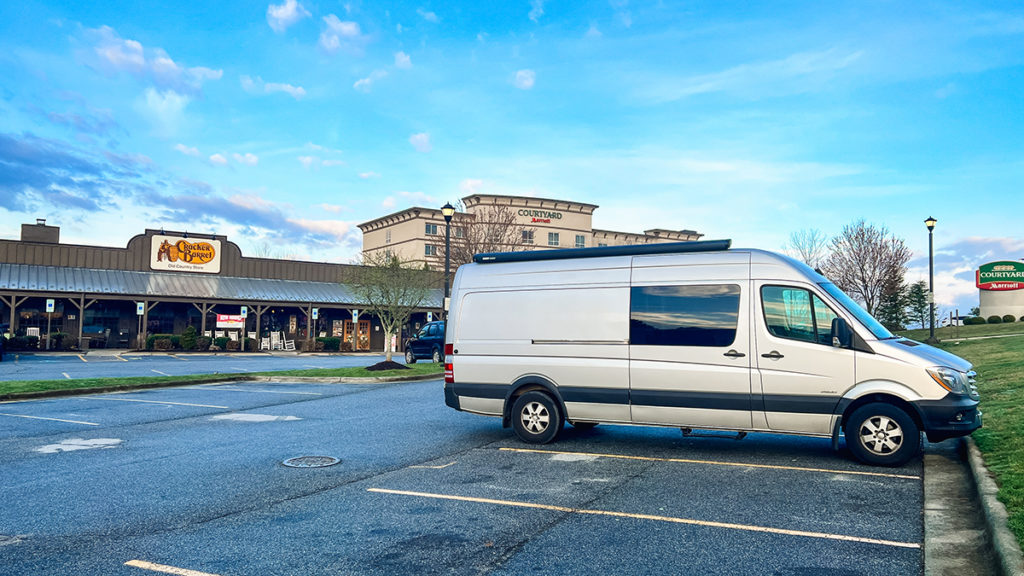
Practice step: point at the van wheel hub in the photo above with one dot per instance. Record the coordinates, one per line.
(535, 417)
(881, 435)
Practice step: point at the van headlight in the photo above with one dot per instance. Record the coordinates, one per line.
(949, 379)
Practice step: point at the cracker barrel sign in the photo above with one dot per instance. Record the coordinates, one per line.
(1001, 276)
(180, 254)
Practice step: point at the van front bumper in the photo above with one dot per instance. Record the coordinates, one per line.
(949, 417)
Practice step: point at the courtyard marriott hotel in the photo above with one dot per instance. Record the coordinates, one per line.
(418, 234)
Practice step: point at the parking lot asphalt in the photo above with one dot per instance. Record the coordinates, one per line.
(191, 479)
(121, 363)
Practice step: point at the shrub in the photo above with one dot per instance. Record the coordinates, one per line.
(221, 342)
(203, 343)
(22, 343)
(233, 345)
(330, 343)
(993, 319)
(189, 338)
(346, 346)
(973, 321)
(1009, 318)
(69, 342)
(57, 340)
(154, 337)
(163, 344)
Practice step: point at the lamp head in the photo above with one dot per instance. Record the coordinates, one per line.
(930, 223)
(447, 211)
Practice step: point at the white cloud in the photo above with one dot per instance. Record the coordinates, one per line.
(248, 159)
(621, 8)
(165, 110)
(368, 175)
(339, 34)
(388, 203)
(187, 150)
(419, 198)
(402, 61)
(428, 16)
(536, 9)
(296, 92)
(398, 28)
(258, 86)
(218, 159)
(328, 163)
(336, 228)
(281, 16)
(365, 84)
(593, 31)
(332, 208)
(421, 142)
(308, 161)
(795, 74)
(470, 186)
(116, 55)
(525, 79)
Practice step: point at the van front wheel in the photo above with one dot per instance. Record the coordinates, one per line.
(536, 418)
(882, 434)
(410, 358)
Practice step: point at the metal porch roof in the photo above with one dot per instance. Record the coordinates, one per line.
(154, 285)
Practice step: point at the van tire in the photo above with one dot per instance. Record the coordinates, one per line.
(437, 356)
(882, 434)
(536, 418)
(410, 358)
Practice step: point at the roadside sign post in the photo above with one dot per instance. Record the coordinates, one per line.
(140, 309)
(316, 315)
(355, 329)
(245, 314)
(49, 314)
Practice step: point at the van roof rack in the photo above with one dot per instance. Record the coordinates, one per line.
(603, 251)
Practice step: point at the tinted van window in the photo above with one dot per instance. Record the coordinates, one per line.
(684, 315)
(796, 314)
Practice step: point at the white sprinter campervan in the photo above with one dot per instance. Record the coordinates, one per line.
(692, 335)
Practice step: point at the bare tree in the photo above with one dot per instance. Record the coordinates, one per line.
(491, 228)
(391, 290)
(811, 246)
(863, 260)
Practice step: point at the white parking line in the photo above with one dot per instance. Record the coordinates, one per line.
(161, 373)
(151, 402)
(51, 419)
(711, 463)
(211, 388)
(66, 375)
(82, 358)
(672, 519)
(240, 369)
(178, 357)
(165, 569)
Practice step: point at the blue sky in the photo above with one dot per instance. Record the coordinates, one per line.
(283, 125)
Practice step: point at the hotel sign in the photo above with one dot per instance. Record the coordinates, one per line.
(540, 215)
(179, 254)
(1001, 276)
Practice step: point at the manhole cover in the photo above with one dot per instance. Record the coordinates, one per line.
(311, 462)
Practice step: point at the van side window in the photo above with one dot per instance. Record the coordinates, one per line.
(796, 314)
(683, 315)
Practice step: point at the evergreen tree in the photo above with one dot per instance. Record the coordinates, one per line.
(917, 303)
(892, 309)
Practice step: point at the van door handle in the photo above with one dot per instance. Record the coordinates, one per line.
(774, 355)
(734, 354)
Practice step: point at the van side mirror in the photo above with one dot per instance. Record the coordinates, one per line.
(842, 337)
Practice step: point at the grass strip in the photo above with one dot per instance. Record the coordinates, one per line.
(1000, 366)
(13, 389)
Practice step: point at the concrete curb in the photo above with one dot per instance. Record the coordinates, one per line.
(220, 378)
(1004, 543)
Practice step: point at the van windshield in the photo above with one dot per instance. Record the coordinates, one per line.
(869, 322)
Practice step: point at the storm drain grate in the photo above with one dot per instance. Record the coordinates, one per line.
(311, 462)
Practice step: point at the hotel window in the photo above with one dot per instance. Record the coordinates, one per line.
(387, 237)
(552, 238)
(581, 241)
(460, 232)
(602, 245)
(432, 229)
(430, 250)
(527, 236)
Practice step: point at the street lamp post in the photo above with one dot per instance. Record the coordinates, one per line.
(930, 223)
(447, 211)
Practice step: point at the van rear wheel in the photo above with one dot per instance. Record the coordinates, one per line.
(437, 356)
(410, 358)
(536, 418)
(882, 434)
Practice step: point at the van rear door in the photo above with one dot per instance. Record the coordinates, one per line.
(801, 375)
(690, 343)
